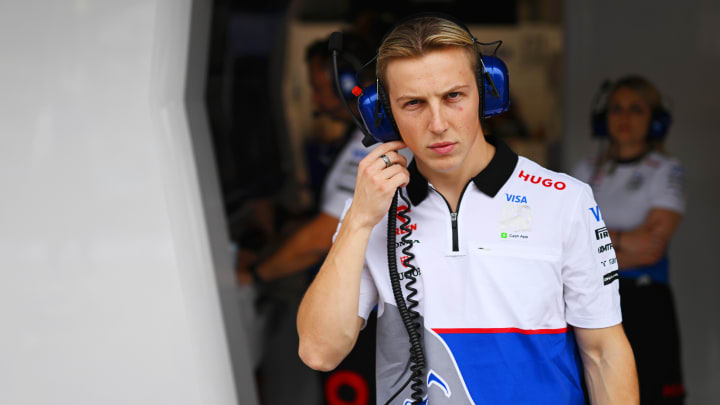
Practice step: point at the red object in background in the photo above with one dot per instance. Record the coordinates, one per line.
(353, 381)
(348, 378)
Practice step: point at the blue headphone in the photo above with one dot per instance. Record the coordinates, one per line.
(347, 75)
(659, 122)
(379, 124)
(348, 81)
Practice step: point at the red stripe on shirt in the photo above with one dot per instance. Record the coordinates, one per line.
(501, 330)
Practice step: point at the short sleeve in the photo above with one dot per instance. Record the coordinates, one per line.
(589, 270)
(368, 290)
(667, 189)
(335, 196)
(340, 181)
(341, 216)
(368, 294)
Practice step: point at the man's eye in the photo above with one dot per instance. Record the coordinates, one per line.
(412, 103)
(454, 94)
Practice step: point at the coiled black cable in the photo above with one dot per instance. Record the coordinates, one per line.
(407, 312)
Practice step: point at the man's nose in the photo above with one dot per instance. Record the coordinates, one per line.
(438, 122)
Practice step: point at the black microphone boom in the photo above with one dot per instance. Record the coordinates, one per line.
(335, 46)
(335, 42)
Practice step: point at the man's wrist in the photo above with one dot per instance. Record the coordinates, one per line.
(357, 223)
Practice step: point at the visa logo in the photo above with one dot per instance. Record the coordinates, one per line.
(516, 198)
(596, 213)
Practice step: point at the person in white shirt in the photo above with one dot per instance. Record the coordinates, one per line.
(640, 192)
(513, 280)
(280, 278)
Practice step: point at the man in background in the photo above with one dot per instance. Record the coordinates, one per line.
(282, 276)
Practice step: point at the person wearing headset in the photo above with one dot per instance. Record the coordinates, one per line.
(281, 276)
(510, 283)
(309, 244)
(640, 192)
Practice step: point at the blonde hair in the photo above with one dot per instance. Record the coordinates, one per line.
(647, 91)
(419, 36)
(651, 95)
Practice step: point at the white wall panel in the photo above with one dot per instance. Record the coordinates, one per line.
(108, 293)
(677, 46)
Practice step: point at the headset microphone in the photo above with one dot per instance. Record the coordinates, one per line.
(335, 46)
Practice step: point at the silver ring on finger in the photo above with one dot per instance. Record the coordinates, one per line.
(387, 161)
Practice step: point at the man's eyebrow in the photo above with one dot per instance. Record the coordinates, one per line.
(456, 88)
(406, 97)
(450, 90)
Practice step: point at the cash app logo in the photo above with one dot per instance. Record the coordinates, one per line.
(503, 235)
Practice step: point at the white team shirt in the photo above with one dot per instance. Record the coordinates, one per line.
(526, 258)
(627, 191)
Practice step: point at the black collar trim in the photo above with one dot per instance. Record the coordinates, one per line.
(490, 180)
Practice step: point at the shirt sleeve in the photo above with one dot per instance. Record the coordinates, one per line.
(368, 290)
(590, 269)
(667, 189)
(368, 294)
(340, 182)
(334, 200)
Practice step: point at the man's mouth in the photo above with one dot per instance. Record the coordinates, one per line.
(443, 147)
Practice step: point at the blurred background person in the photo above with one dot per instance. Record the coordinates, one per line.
(640, 195)
(282, 271)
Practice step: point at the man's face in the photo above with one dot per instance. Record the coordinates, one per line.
(434, 100)
(324, 97)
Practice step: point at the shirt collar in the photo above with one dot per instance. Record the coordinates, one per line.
(489, 180)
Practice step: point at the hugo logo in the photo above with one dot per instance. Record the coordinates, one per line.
(559, 185)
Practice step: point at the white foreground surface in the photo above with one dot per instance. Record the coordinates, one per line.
(108, 282)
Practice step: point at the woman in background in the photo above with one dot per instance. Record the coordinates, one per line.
(639, 190)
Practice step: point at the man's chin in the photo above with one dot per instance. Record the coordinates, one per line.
(441, 166)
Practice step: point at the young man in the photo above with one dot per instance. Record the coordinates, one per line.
(516, 272)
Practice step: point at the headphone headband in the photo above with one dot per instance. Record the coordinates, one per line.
(660, 119)
(491, 76)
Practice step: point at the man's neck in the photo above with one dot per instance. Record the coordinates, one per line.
(451, 184)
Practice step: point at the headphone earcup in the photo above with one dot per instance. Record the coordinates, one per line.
(659, 124)
(494, 102)
(374, 113)
(385, 103)
(598, 122)
(348, 82)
